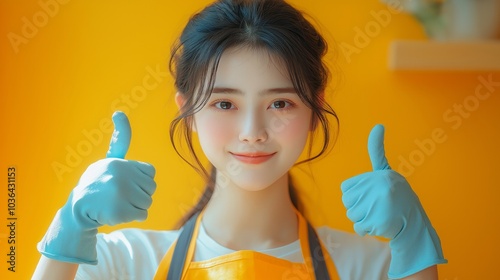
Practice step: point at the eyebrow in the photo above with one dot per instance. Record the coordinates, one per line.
(267, 91)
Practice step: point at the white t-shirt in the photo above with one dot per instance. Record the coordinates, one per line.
(135, 254)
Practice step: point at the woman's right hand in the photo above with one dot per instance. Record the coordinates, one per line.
(111, 191)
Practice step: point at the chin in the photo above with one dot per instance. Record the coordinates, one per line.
(251, 180)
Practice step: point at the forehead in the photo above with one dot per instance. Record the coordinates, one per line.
(251, 68)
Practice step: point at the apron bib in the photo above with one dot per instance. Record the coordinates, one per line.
(246, 264)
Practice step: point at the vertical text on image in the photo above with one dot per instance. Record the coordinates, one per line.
(11, 218)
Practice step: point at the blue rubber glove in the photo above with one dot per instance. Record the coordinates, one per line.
(111, 191)
(382, 203)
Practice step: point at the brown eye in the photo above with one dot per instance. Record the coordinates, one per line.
(224, 105)
(280, 104)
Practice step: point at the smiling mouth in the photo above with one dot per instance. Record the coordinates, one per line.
(253, 158)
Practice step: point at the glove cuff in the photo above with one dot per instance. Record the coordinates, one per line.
(68, 241)
(413, 250)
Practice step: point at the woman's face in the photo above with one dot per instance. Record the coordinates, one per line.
(254, 126)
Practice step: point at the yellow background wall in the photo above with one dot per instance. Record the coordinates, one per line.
(67, 73)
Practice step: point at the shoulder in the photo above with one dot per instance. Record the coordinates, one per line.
(340, 241)
(122, 253)
(356, 257)
(133, 236)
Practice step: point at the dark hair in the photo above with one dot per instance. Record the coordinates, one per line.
(273, 25)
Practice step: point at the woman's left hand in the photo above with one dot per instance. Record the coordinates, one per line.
(382, 203)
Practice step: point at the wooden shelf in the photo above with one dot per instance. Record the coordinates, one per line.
(454, 56)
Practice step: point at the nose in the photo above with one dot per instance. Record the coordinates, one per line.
(253, 128)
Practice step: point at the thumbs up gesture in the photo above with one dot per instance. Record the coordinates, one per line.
(111, 191)
(382, 203)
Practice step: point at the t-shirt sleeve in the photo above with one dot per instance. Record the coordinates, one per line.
(128, 254)
(356, 257)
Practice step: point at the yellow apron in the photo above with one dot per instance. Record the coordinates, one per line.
(246, 264)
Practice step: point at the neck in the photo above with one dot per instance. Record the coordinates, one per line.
(253, 220)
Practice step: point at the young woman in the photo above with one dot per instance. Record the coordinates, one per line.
(251, 85)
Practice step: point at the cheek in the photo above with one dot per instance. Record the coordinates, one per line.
(213, 132)
(290, 129)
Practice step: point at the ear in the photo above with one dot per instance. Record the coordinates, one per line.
(180, 100)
